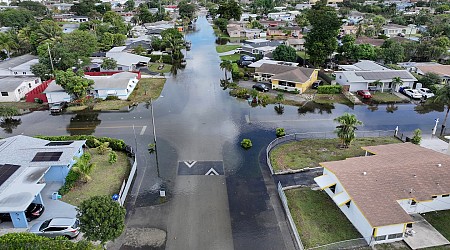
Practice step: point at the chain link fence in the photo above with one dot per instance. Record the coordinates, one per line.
(319, 135)
(298, 241)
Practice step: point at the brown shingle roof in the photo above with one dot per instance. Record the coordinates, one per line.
(372, 41)
(395, 172)
(442, 70)
(274, 69)
(297, 75)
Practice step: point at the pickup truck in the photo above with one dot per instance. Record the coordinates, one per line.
(58, 107)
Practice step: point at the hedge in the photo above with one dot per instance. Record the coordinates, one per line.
(235, 71)
(329, 89)
(114, 144)
(22, 241)
(165, 58)
(71, 178)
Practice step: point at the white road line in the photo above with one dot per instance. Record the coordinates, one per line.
(212, 171)
(190, 163)
(309, 120)
(247, 119)
(143, 130)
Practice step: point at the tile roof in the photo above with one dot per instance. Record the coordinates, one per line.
(396, 171)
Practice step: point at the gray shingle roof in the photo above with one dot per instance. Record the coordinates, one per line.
(274, 69)
(10, 83)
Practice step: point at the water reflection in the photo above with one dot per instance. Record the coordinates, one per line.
(9, 124)
(428, 107)
(83, 123)
(391, 108)
(316, 108)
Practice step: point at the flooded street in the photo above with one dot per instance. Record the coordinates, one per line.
(217, 197)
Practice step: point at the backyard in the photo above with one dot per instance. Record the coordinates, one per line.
(441, 221)
(379, 97)
(154, 67)
(310, 152)
(226, 48)
(106, 178)
(317, 218)
(232, 58)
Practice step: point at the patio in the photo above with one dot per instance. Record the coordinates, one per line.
(424, 235)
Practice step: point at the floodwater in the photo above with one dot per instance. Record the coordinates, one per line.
(196, 120)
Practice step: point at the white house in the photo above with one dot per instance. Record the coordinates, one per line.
(283, 16)
(392, 30)
(77, 19)
(297, 43)
(55, 93)
(378, 192)
(422, 68)
(119, 84)
(362, 65)
(355, 17)
(126, 61)
(367, 79)
(14, 88)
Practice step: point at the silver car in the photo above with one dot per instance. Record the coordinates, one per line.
(66, 227)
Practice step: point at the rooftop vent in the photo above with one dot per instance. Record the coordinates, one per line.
(364, 173)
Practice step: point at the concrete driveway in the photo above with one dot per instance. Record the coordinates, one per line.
(288, 96)
(424, 235)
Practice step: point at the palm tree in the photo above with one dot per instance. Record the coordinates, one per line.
(279, 98)
(84, 167)
(346, 130)
(378, 83)
(443, 97)
(397, 82)
(226, 65)
(6, 43)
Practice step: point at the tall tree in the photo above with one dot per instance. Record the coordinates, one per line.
(109, 63)
(321, 41)
(230, 9)
(186, 10)
(173, 40)
(347, 127)
(129, 5)
(74, 83)
(101, 219)
(17, 18)
(285, 53)
(397, 82)
(443, 98)
(226, 65)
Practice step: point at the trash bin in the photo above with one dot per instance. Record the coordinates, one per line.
(55, 196)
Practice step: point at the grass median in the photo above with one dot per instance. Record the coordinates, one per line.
(232, 58)
(379, 97)
(317, 218)
(310, 152)
(226, 48)
(106, 178)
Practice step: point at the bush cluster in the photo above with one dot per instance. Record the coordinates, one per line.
(165, 58)
(329, 89)
(114, 144)
(71, 178)
(32, 241)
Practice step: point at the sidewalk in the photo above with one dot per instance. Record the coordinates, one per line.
(434, 143)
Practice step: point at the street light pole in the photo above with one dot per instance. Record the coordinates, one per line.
(154, 136)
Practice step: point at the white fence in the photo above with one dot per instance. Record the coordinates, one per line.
(298, 241)
(318, 135)
(127, 183)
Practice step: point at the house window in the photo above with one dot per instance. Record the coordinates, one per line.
(24, 73)
(119, 68)
(15, 73)
(445, 195)
(382, 237)
(348, 204)
(333, 188)
(29, 85)
(395, 236)
(5, 94)
(409, 225)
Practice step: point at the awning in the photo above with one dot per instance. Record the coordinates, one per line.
(324, 181)
(341, 198)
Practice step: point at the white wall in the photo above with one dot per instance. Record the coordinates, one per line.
(436, 204)
(20, 91)
(390, 230)
(57, 97)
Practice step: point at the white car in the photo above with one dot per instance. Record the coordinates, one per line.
(425, 92)
(413, 93)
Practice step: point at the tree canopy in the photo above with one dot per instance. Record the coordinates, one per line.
(101, 219)
(17, 18)
(74, 83)
(321, 41)
(186, 10)
(230, 10)
(285, 53)
(109, 63)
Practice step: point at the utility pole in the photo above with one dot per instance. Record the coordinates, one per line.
(154, 137)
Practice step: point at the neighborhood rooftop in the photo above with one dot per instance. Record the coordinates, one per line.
(10, 83)
(382, 75)
(397, 171)
(16, 61)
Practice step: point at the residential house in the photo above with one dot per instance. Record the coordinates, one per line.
(422, 68)
(363, 65)
(235, 30)
(70, 27)
(379, 192)
(268, 23)
(26, 165)
(260, 46)
(392, 30)
(14, 88)
(289, 78)
(120, 84)
(367, 79)
(259, 63)
(283, 16)
(303, 6)
(61, 6)
(372, 41)
(248, 16)
(284, 31)
(333, 2)
(297, 43)
(349, 30)
(20, 65)
(126, 61)
(355, 17)
(77, 19)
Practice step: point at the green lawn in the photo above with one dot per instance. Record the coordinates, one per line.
(319, 221)
(154, 68)
(226, 48)
(106, 178)
(441, 221)
(24, 105)
(303, 54)
(310, 152)
(232, 58)
(331, 98)
(379, 97)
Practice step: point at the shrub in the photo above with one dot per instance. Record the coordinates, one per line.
(329, 89)
(71, 178)
(165, 58)
(33, 241)
(417, 137)
(112, 157)
(112, 98)
(103, 148)
(280, 132)
(235, 71)
(114, 144)
(246, 143)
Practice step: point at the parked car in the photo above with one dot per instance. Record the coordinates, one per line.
(261, 87)
(60, 226)
(316, 84)
(402, 89)
(413, 93)
(33, 211)
(425, 92)
(237, 51)
(364, 93)
(58, 107)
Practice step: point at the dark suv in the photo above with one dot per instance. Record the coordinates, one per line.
(33, 211)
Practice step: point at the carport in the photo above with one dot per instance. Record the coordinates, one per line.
(19, 188)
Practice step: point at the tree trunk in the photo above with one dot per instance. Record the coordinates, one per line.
(445, 120)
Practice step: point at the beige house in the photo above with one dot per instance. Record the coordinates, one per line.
(297, 43)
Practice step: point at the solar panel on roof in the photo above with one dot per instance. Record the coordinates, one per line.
(59, 143)
(6, 171)
(47, 156)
